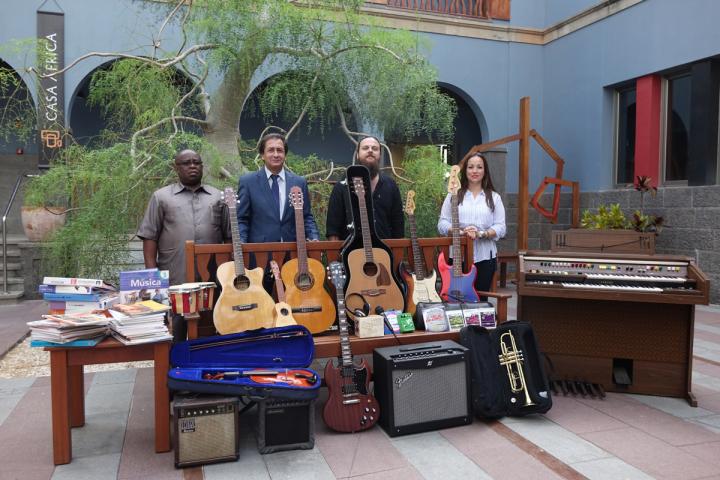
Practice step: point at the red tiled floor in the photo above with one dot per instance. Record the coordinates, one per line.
(496, 455)
(579, 417)
(138, 458)
(708, 452)
(671, 429)
(652, 455)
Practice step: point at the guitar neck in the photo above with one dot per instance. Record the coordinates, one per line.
(301, 242)
(345, 352)
(456, 250)
(237, 245)
(365, 229)
(417, 254)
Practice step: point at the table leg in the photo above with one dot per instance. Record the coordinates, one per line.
(77, 396)
(162, 397)
(60, 395)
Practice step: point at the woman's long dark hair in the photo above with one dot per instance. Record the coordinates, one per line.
(486, 183)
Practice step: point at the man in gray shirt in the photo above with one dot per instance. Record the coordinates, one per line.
(186, 210)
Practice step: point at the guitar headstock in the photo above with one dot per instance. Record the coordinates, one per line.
(229, 197)
(296, 198)
(359, 187)
(336, 272)
(410, 203)
(275, 269)
(454, 180)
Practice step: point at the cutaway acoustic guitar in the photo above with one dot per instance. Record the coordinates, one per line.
(243, 304)
(312, 306)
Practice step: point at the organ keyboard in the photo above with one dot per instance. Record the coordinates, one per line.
(624, 321)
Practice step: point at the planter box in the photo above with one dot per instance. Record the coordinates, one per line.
(614, 241)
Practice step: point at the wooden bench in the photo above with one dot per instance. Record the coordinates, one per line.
(503, 258)
(328, 344)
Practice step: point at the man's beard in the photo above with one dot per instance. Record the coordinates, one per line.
(373, 167)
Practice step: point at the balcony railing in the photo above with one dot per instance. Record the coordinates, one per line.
(487, 9)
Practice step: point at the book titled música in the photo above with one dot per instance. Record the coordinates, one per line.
(148, 284)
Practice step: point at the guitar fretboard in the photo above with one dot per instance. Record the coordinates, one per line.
(301, 243)
(345, 352)
(364, 221)
(237, 245)
(456, 250)
(417, 254)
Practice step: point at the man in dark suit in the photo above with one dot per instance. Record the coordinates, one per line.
(263, 211)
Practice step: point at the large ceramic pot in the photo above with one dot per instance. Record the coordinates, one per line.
(40, 222)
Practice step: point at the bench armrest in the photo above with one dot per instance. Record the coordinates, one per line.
(502, 299)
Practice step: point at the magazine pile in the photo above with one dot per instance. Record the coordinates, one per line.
(77, 295)
(141, 322)
(77, 328)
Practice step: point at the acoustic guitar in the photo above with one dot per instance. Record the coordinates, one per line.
(349, 407)
(312, 306)
(282, 313)
(421, 285)
(243, 304)
(457, 287)
(369, 268)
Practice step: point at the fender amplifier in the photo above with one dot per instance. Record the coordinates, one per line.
(206, 429)
(422, 387)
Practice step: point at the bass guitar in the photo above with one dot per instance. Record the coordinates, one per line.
(349, 407)
(421, 285)
(312, 306)
(243, 304)
(369, 268)
(457, 287)
(282, 313)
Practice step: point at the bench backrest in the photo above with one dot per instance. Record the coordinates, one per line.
(200, 255)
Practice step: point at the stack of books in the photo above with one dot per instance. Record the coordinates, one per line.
(142, 322)
(78, 329)
(77, 295)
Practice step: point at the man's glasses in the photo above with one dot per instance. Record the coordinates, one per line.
(187, 163)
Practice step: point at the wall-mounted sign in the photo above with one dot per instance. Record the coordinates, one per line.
(51, 97)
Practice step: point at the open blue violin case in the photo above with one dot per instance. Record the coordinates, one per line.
(284, 352)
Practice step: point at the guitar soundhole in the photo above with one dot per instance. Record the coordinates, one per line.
(284, 312)
(241, 282)
(304, 281)
(370, 269)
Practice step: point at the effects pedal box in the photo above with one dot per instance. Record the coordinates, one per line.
(206, 429)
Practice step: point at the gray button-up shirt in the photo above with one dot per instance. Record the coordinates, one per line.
(176, 214)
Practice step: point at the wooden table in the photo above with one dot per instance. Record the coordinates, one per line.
(68, 389)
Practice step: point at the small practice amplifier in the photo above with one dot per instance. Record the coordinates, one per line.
(286, 425)
(206, 429)
(422, 387)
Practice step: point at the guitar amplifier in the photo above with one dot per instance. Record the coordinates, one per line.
(286, 425)
(422, 387)
(206, 429)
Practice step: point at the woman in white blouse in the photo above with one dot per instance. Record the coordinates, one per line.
(481, 214)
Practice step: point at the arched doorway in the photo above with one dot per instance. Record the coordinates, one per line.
(87, 121)
(312, 137)
(18, 129)
(468, 125)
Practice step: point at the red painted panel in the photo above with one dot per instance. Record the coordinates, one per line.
(647, 127)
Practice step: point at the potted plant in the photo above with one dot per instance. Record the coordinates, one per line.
(43, 211)
(609, 230)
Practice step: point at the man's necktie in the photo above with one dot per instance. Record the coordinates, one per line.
(276, 191)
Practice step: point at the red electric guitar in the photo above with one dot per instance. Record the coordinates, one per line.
(349, 407)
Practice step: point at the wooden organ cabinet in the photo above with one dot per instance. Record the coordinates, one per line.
(623, 321)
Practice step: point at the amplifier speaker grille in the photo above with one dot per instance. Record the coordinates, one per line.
(206, 431)
(429, 394)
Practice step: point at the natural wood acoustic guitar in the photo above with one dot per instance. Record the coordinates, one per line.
(282, 313)
(370, 267)
(243, 304)
(457, 287)
(420, 284)
(350, 407)
(312, 306)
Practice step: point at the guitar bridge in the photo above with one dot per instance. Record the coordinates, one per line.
(307, 309)
(373, 292)
(351, 401)
(244, 308)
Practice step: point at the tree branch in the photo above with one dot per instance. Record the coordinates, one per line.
(157, 41)
(170, 62)
(133, 141)
(305, 108)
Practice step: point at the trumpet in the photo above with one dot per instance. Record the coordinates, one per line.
(513, 359)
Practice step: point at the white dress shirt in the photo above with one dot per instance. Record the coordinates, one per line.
(475, 211)
(281, 187)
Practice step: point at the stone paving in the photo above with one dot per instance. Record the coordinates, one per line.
(622, 436)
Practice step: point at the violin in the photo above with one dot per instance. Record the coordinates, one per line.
(296, 378)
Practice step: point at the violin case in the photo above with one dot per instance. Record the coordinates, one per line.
(285, 350)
